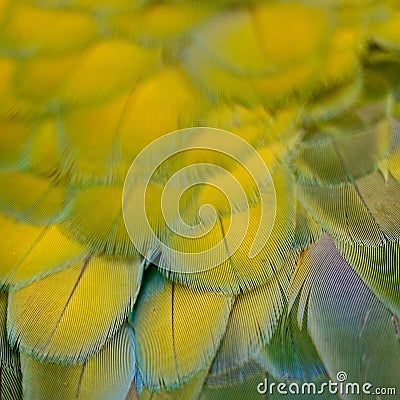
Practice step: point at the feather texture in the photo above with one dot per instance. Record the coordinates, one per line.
(365, 212)
(86, 85)
(251, 324)
(345, 320)
(31, 198)
(186, 327)
(105, 376)
(69, 315)
(26, 255)
(10, 368)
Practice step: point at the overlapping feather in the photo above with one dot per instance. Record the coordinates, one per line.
(85, 85)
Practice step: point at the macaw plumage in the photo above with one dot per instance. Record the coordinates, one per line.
(312, 86)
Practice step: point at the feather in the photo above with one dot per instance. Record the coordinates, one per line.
(243, 389)
(31, 198)
(104, 376)
(148, 25)
(25, 251)
(345, 320)
(12, 105)
(386, 33)
(333, 158)
(86, 85)
(95, 219)
(27, 39)
(69, 315)
(255, 124)
(337, 99)
(13, 136)
(307, 228)
(392, 164)
(188, 390)
(258, 72)
(251, 324)
(177, 331)
(124, 62)
(290, 354)
(42, 160)
(88, 159)
(170, 90)
(238, 272)
(365, 212)
(378, 267)
(10, 368)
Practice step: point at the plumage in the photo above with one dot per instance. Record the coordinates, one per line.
(28, 197)
(10, 366)
(26, 255)
(68, 316)
(106, 375)
(251, 324)
(376, 266)
(236, 274)
(93, 304)
(180, 347)
(345, 319)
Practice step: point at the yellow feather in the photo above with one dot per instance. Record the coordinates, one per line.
(69, 315)
(31, 198)
(105, 376)
(186, 329)
(30, 252)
